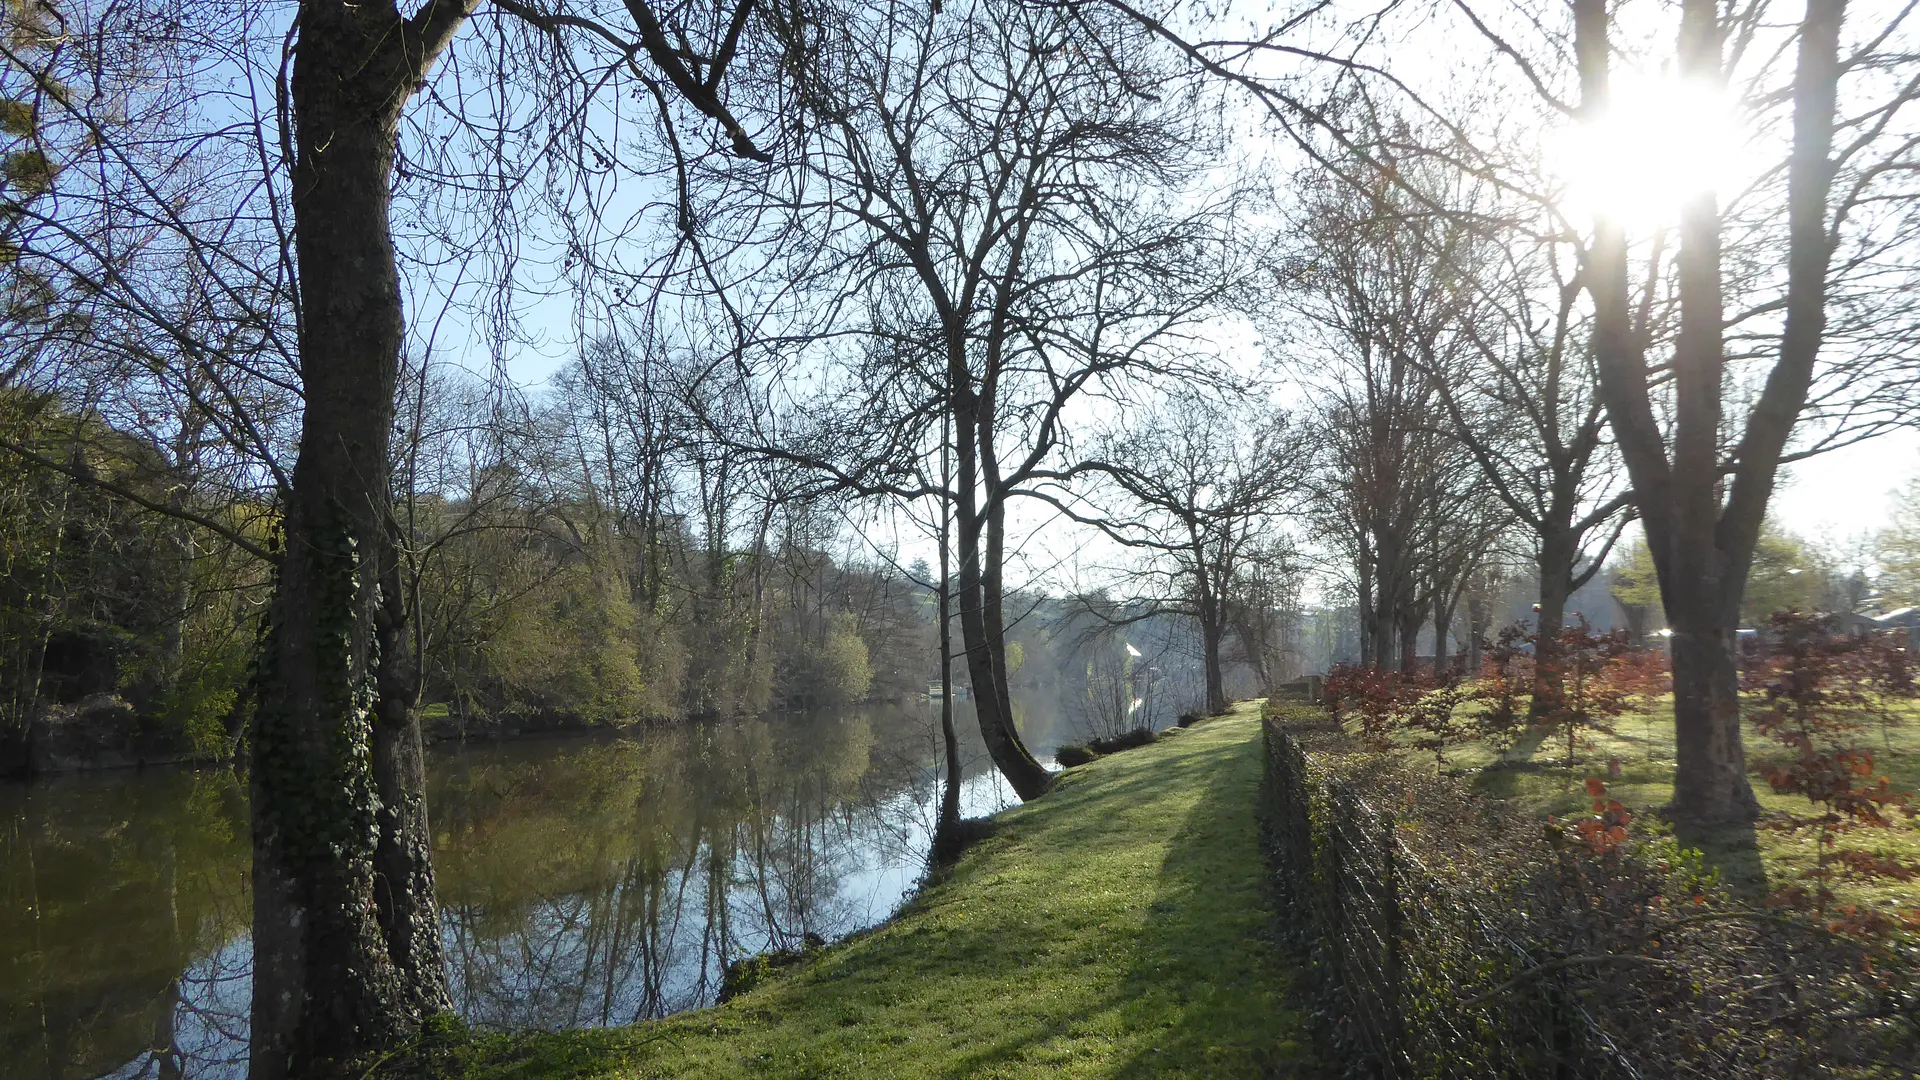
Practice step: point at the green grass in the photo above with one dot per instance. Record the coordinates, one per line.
(1752, 862)
(1117, 927)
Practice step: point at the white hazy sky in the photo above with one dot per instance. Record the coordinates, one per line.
(1840, 495)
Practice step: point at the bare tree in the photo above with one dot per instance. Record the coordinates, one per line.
(1205, 493)
(1701, 496)
(1375, 294)
(984, 227)
(1517, 386)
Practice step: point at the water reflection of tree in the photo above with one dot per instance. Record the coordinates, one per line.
(112, 896)
(584, 883)
(614, 882)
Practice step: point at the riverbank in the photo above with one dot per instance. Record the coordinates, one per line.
(1118, 927)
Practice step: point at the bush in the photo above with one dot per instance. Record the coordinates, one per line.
(1188, 719)
(743, 975)
(1073, 755)
(1506, 675)
(1591, 698)
(1449, 934)
(1823, 690)
(1380, 701)
(1126, 740)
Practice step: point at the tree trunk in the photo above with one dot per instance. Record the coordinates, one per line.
(1442, 629)
(949, 742)
(1032, 780)
(1212, 629)
(1555, 567)
(1476, 629)
(346, 940)
(1210, 634)
(1712, 786)
(1703, 545)
(1710, 776)
(1408, 632)
(981, 629)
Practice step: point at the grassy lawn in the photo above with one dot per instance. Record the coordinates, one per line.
(1750, 862)
(1117, 927)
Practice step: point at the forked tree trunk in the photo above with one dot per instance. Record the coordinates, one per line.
(982, 630)
(1703, 545)
(346, 944)
(1366, 613)
(1387, 572)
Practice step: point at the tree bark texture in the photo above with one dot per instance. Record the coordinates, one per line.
(1555, 568)
(949, 740)
(346, 945)
(1442, 630)
(1476, 628)
(1212, 631)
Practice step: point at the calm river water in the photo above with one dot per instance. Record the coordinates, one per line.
(583, 881)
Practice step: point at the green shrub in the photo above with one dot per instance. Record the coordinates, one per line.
(745, 974)
(1074, 754)
(1126, 740)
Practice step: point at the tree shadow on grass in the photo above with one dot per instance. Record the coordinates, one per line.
(1209, 971)
(1734, 851)
(1143, 998)
(1500, 777)
(1172, 974)
(1205, 992)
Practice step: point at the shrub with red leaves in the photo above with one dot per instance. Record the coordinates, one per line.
(1379, 702)
(1506, 673)
(1822, 689)
(1590, 699)
(1643, 675)
(1433, 716)
(1606, 830)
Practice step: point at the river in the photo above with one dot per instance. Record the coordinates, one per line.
(583, 881)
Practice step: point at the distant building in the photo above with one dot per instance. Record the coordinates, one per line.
(1906, 618)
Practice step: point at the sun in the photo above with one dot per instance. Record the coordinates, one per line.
(1660, 142)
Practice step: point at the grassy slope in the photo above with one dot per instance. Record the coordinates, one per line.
(1115, 928)
(1750, 861)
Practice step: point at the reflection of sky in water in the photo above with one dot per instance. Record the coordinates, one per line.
(559, 969)
(564, 966)
(631, 944)
(209, 1019)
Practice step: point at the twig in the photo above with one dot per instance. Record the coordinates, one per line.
(1556, 965)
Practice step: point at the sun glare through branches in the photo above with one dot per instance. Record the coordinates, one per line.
(1661, 141)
